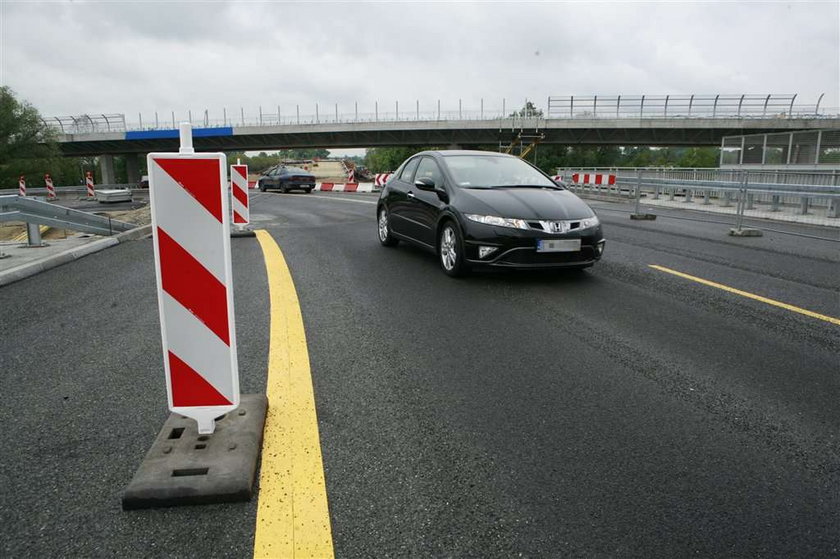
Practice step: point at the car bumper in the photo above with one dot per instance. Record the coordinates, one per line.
(515, 248)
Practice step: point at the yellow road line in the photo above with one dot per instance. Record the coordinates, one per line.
(292, 514)
(749, 295)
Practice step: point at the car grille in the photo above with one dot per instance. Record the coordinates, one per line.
(533, 257)
(562, 226)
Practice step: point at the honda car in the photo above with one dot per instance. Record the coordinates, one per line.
(483, 209)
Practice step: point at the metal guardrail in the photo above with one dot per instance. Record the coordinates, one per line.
(79, 188)
(739, 189)
(32, 211)
(677, 107)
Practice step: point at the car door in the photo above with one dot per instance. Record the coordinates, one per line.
(272, 178)
(399, 187)
(424, 207)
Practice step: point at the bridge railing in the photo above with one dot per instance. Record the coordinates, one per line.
(507, 113)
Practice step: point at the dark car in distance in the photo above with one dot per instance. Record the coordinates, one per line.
(284, 179)
(485, 209)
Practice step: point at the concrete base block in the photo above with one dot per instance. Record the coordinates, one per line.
(185, 468)
(236, 233)
(644, 217)
(746, 232)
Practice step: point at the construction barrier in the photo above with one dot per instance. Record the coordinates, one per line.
(593, 179)
(48, 182)
(239, 189)
(22, 186)
(91, 192)
(191, 230)
(344, 187)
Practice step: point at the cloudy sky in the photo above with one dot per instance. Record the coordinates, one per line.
(75, 57)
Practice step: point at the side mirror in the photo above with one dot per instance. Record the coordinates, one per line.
(425, 184)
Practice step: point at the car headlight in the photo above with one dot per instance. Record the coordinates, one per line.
(589, 222)
(498, 221)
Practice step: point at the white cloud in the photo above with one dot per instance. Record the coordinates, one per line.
(131, 57)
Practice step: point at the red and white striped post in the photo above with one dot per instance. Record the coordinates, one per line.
(91, 192)
(191, 230)
(351, 176)
(48, 182)
(239, 188)
(22, 186)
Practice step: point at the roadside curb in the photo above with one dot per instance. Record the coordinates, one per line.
(26, 270)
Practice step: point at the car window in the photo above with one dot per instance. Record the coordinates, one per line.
(408, 170)
(428, 169)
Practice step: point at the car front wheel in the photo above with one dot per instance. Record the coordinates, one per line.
(262, 187)
(451, 250)
(384, 229)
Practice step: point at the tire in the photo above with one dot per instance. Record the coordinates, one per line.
(262, 187)
(307, 190)
(451, 250)
(386, 239)
(284, 190)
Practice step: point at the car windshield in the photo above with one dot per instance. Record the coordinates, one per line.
(493, 171)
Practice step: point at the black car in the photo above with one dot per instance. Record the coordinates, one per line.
(477, 208)
(286, 179)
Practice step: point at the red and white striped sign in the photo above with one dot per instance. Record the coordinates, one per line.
(593, 178)
(22, 186)
(91, 193)
(239, 189)
(351, 176)
(345, 187)
(191, 226)
(48, 182)
(381, 178)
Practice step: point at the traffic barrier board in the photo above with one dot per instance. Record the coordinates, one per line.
(48, 182)
(22, 186)
(191, 230)
(239, 189)
(91, 193)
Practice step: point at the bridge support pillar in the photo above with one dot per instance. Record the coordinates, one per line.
(132, 168)
(106, 165)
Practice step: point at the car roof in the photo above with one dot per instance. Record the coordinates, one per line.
(447, 152)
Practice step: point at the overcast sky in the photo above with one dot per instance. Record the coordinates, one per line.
(70, 58)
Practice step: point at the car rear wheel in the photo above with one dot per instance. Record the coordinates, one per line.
(385, 236)
(451, 250)
(284, 190)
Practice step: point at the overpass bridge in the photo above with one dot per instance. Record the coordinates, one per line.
(665, 120)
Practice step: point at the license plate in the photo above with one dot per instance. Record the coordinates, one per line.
(558, 245)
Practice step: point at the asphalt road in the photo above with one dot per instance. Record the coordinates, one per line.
(620, 411)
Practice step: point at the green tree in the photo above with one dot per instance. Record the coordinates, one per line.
(529, 110)
(387, 159)
(27, 145)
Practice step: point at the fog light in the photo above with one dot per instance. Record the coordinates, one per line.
(599, 248)
(486, 251)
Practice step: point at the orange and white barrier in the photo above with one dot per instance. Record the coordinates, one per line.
(380, 179)
(593, 179)
(91, 192)
(48, 182)
(239, 189)
(22, 186)
(191, 230)
(345, 187)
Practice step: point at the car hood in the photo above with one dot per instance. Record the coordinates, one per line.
(523, 203)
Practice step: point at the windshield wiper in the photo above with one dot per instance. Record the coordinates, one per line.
(553, 187)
